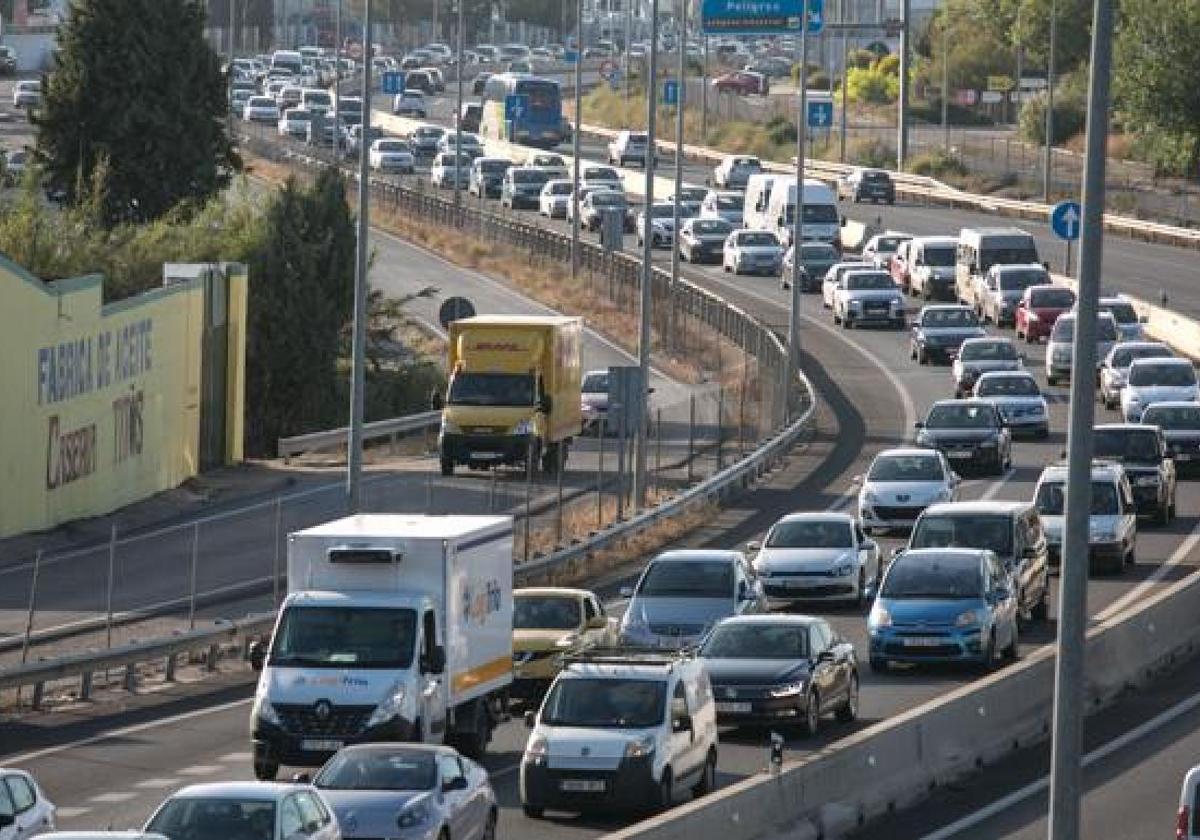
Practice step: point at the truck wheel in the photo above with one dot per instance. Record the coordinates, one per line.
(550, 458)
(708, 776)
(447, 466)
(532, 811)
(266, 771)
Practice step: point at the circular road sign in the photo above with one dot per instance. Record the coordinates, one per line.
(455, 309)
(608, 70)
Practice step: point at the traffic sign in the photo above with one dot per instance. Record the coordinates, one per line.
(760, 17)
(608, 69)
(571, 56)
(670, 92)
(820, 113)
(455, 309)
(1066, 219)
(515, 106)
(392, 81)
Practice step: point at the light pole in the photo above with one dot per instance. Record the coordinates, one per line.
(902, 122)
(358, 361)
(1069, 674)
(1048, 166)
(337, 78)
(845, 72)
(945, 79)
(793, 359)
(575, 151)
(681, 45)
(458, 112)
(639, 467)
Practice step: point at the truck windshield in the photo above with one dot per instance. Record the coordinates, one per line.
(965, 531)
(1012, 255)
(491, 389)
(1051, 499)
(939, 257)
(618, 703)
(342, 637)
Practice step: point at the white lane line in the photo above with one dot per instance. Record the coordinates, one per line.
(996, 486)
(200, 770)
(1134, 595)
(157, 784)
(25, 758)
(236, 758)
(1042, 784)
(113, 797)
(70, 813)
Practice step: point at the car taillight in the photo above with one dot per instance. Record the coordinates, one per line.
(1181, 824)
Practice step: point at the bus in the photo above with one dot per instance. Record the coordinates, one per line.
(541, 121)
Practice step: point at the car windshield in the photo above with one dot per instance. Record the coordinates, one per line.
(813, 214)
(860, 282)
(429, 133)
(889, 243)
(755, 239)
(1173, 416)
(1153, 374)
(818, 252)
(298, 115)
(933, 577)
(948, 318)
(808, 534)
(390, 146)
(1122, 311)
(215, 818)
(494, 167)
(617, 703)
(1064, 330)
(906, 468)
(1012, 255)
(595, 383)
(757, 641)
(607, 198)
(530, 176)
(1123, 356)
(975, 351)
(662, 211)
(601, 173)
(711, 227)
(1126, 444)
(695, 194)
(963, 530)
(1052, 298)
(344, 637)
(560, 188)
(449, 160)
(1016, 281)
(688, 579)
(938, 257)
(730, 202)
(961, 416)
(262, 102)
(379, 768)
(548, 161)
(1007, 386)
(318, 97)
(1051, 498)
(491, 389)
(546, 612)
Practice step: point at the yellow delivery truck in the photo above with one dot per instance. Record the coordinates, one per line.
(513, 391)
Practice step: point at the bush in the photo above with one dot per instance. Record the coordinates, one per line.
(930, 111)
(1070, 118)
(871, 86)
(818, 80)
(873, 153)
(781, 130)
(1170, 153)
(938, 164)
(889, 64)
(862, 59)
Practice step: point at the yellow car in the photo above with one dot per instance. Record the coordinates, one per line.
(547, 623)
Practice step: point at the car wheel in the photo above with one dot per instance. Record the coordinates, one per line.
(489, 828)
(708, 776)
(922, 356)
(860, 600)
(847, 322)
(1010, 652)
(1051, 380)
(849, 712)
(532, 811)
(666, 791)
(811, 724)
(447, 466)
(912, 351)
(988, 661)
(266, 771)
(1041, 610)
(836, 318)
(1164, 514)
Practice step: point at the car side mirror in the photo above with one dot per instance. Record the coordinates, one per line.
(6, 820)
(920, 424)
(868, 545)
(896, 552)
(435, 661)
(437, 402)
(955, 479)
(597, 622)
(1029, 552)
(457, 783)
(301, 778)
(1143, 319)
(545, 404)
(825, 656)
(258, 655)
(626, 592)
(681, 724)
(530, 719)
(754, 545)
(1000, 593)
(842, 222)
(1046, 265)
(743, 591)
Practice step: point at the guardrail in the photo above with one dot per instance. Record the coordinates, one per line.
(84, 666)
(391, 428)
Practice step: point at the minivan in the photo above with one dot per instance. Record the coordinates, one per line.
(981, 248)
(770, 205)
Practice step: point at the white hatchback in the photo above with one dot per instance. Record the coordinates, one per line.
(900, 484)
(1157, 380)
(25, 811)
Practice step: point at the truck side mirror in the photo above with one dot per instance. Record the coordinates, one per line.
(437, 401)
(258, 655)
(435, 661)
(530, 719)
(545, 404)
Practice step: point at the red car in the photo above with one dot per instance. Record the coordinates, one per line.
(1039, 308)
(741, 81)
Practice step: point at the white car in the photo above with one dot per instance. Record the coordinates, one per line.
(24, 809)
(261, 109)
(1129, 323)
(817, 556)
(1112, 520)
(1157, 380)
(294, 123)
(868, 297)
(900, 484)
(880, 248)
(1060, 346)
(593, 400)
(662, 225)
(555, 198)
(725, 205)
(599, 176)
(410, 103)
(752, 252)
(1114, 371)
(1188, 820)
(734, 171)
(27, 93)
(977, 356)
(832, 281)
(392, 155)
(549, 162)
(443, 171)
(1018, 398)
(471, 144)
(245, 809)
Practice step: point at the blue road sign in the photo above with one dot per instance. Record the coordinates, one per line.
(571, 56)
(515, 105)
(392, 81)
(670, 92)
(1066, 219)
(760, 17)
(820, 113)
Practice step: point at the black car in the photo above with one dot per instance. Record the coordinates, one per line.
(420, 80)
(425, 140)
(1180, 424)
(971, 433)
(703, 240)
(870, 185)
(780, 670)
(8, 61)
(938, 332)
(1142, 451)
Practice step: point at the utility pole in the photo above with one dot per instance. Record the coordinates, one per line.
(437, 34)
(575, 151)
(1048, 166)
(337, 77)
(793, 358)
(358, 363)
(625, 52)
(1066, 773)
(845, 75)
(231, 46)
(946, 78)
(681, 45)
(902, 121)
(458, 113)
(639, 466)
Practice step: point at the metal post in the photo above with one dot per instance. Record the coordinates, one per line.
(108, 601)
(742, 404)
(575, 150)
(1066, 772)
(704, 95)
(675, 215)
(798, 212)
(946, 79)
(528, 499)
(192, 576)
(33, 584)
(337, 77)
(601, 431)
(902, 121)
(276, 552)
(1048, 164)
(691, 435)
(720, 428)
(657, 448)
(458, 117)
(639, 466)
(231, 46)
(621, 440)
(358, 361)
(1020, 67)
(558, 530)
(625, 52)
(845, 72)
(1067, 260)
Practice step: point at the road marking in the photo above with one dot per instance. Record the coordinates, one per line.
(1133, 595)
(1042, 784)
(157, 784)
(70, 813)
(200, 770)
(236, 758)
(112, 797)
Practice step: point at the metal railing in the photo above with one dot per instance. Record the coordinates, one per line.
(391, 428)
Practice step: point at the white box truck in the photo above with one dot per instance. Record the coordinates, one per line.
(395, 628)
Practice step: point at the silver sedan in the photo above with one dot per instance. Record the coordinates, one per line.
(425, 791)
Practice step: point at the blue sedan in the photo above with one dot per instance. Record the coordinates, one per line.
(944, 605)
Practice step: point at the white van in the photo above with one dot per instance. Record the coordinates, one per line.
(1187, 825)
(770, 203)
(287, 60)
(981, 248)
(316, 101)
(621, 729)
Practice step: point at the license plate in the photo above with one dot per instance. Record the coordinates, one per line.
(734, 708)
(796, 584)
(959, 454)
(485, 456)
(320, 746)
(924, 641)
(583, 785)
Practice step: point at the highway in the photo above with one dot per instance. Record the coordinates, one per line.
(870, 394)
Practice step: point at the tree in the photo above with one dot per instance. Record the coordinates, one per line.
(136, 84)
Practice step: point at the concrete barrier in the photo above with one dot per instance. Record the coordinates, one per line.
(899, 761)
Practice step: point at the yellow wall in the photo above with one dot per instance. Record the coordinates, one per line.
(100, 405)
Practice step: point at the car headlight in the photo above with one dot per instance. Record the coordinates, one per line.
(390, 708)
(1146, 480)
(789, 690)
(967, 619)
(449, 428)
(879, 617)
(537, 747)
(415, 814)
(525, 427)
(1032, 316)
(264, 711)
(640, 747)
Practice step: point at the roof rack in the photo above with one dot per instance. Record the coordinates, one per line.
(627, 656)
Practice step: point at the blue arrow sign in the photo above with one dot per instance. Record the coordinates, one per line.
(1066, 219)
(670, 92)
(515, 105)
(392, 82)
(760, 17)
(820, 113)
